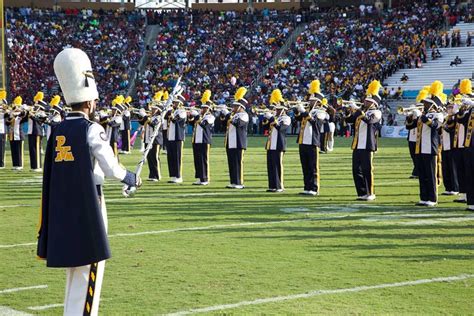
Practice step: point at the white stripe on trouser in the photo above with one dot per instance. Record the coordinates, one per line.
(77, 283)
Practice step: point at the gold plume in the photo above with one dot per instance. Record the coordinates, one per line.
(55, 100)
(315, 87)
(39, 96)
(465, 87)
(436, 88)
(206, 97)
(18, 101)
(240, 93)
(276, 97)
(423, 94)
(374, 88)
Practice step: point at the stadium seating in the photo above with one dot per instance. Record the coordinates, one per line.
(347, 53)
(214, 52)
(34, 37)
(439, 68)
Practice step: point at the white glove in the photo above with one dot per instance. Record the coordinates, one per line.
(130, 191)
(225, 112)
(56, 118)
(194, 113)
(142, 112)
(25, 107)
(466, 101)
(416, 113)
(300, 108)
(267, 115)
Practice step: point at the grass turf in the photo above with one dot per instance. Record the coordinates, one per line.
(308, 243)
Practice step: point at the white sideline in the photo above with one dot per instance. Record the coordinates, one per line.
(44, 307)
(7, 311)
(277, 299)
(18, 289)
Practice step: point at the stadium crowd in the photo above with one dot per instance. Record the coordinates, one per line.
(344, 47)
(212, 50)
(113, 40)
(347, 53)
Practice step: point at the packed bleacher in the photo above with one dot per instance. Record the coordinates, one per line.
(113, 40)
(212, 50)
(347, 53)
(344, 47)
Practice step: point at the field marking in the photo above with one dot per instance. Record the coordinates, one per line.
(314, 293)
(17, 245)
(18, 289)
(173, 230)
(169, 195)
(15, 205)
(438, 221)
(156, 232)
(7, 311)
(44, 307)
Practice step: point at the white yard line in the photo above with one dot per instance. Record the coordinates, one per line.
(44, 307)
(156, 232)
(7, 311)
(18, 289)
(18, 245)
(314, 293)
(164, 231)
(15, 205)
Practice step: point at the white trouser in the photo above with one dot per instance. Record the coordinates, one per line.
(84, 283)
(332, 128)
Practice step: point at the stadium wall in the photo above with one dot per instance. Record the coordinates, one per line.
(79, 4)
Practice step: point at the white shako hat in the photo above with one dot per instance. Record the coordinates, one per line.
(74, 72)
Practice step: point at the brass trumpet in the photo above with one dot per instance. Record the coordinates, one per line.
(262, 111)
(341, 101)
(409, 110)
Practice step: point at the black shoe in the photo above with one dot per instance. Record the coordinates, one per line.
(271, 190)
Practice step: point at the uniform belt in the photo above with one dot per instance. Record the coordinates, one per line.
(99, 190)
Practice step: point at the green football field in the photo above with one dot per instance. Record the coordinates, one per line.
(191, 249)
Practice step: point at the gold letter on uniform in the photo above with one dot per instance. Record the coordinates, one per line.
(63, 153)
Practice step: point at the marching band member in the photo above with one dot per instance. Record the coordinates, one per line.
(276, 142)
(309, 138)
(125, 127)
(56, 115)
(410, 124)
(468, 106)
(203, 124)
(103, 116)
(3, 126)
(427, 145)
(462, 120)
(327, 128)
(36, 119)
(448, 165)
(73, 222)
(166, 116)
(149, 124)
(114, 122)
(176, 135)
(18, 116)
(366, 120)
(236, 138)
